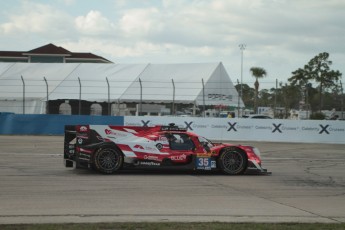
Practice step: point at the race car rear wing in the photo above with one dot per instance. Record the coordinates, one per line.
(69, 145)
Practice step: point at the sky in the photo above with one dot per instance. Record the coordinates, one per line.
(279, 35)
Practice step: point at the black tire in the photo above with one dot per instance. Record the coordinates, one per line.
(108, 160)
(233, 161)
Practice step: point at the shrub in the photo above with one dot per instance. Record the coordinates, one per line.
(317, 116)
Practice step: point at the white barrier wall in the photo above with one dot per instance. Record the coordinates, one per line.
(240, 129)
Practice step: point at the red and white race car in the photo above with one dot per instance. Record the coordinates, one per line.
(109, 149)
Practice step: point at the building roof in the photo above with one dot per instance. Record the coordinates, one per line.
(11, 53)
(49, 49)
(52, 50)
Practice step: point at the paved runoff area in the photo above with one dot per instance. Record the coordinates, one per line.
(307, 185)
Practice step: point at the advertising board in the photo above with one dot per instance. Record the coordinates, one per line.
(240, 129)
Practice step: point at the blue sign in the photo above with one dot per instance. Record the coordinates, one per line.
(203, 163)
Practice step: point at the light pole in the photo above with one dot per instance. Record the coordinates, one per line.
(242, 48)
(238, 101)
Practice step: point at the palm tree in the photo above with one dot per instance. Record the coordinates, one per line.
(257, 72)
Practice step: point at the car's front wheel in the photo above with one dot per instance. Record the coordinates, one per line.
(233, 161)
(108, 160)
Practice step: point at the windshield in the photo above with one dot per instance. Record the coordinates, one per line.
(205, 141)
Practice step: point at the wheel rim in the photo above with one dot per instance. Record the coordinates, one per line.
(233, 161)
(108, 159)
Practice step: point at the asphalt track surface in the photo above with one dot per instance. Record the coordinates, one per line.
(307, 185)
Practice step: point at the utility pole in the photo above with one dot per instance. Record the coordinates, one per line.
(242, 48)
(275, 100)
(238, 102)
(23, 94)
(173, 102)
(342, 100)
(47, 103)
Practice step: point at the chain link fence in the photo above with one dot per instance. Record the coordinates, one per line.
(107, 97)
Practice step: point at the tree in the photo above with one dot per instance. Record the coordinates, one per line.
(318, 70)
(247, 95)
(266, 98)
(289, 98)
(299, 78)
(257, 72)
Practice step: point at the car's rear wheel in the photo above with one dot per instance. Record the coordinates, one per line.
(108, 160)
(233, 161)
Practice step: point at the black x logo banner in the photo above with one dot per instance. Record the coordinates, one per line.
(232, 126)
(276, 128)
(189, 125)
(324, 129)
(145, 124)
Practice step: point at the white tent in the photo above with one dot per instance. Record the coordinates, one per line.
(182, 83)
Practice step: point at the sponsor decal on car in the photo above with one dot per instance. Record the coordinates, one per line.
(179, 157)
(83, 129)
(112, 132)
(159, 146)
(153, 158)
(149, 163)
(205, 154)
(205, 163)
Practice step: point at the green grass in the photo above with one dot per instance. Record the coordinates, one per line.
(175, 226)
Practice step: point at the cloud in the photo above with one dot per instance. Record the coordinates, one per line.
(112, 49)
(146, 51)
(38, 19)
(277, 33)
(140, 22)
(94, 24)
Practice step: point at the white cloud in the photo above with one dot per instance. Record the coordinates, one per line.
(110, 49)
(140, 22)
(38, 19)
(94, 23)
